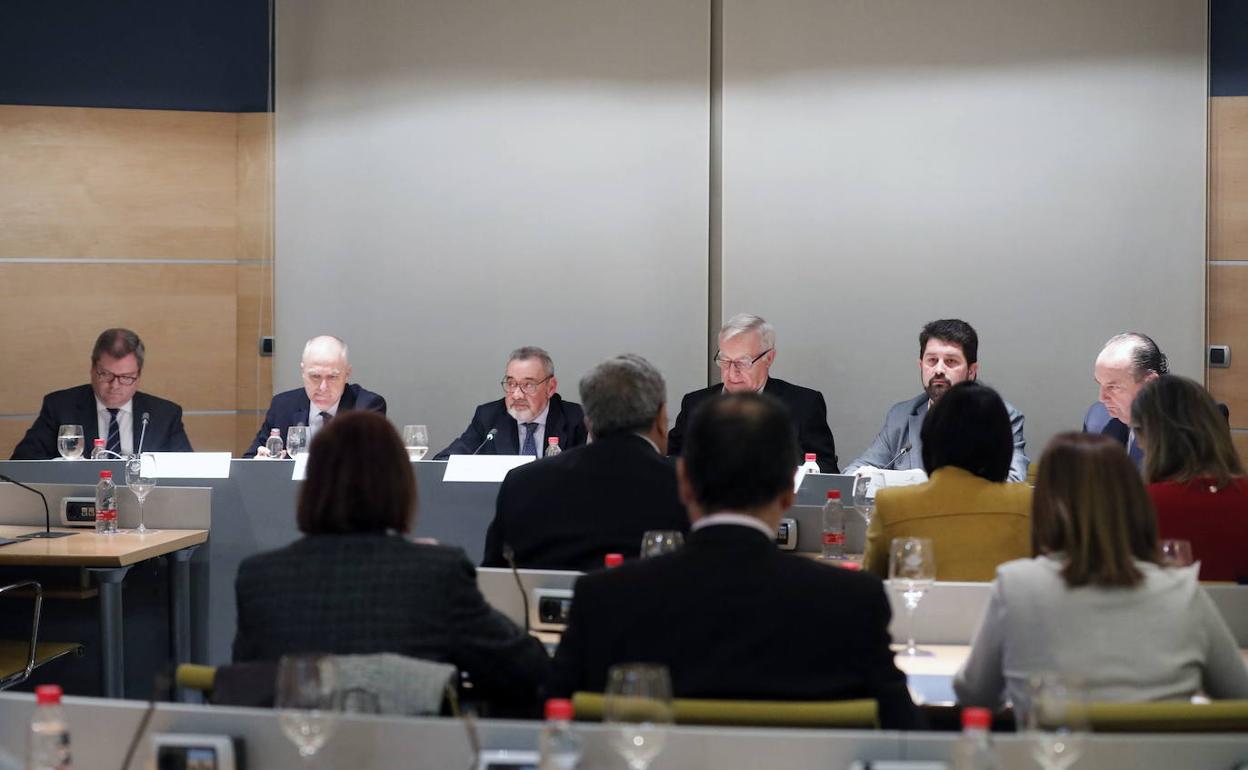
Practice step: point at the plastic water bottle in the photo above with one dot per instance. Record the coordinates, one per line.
(98, 449)
(811, 465)
(48, 748)
(552, 446)
(106, 504)
(558, 744)
(973, 751)
(833, 527)
(274, 444)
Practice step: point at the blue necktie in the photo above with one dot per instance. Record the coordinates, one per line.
(113, 444)
(530, 439)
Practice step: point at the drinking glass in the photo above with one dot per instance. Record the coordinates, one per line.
(296, 440)
(356, 700)
(657, 542)
(911, 571)
(305, 700)
(639, 708)
(1056, 720)
(1176, 553)
(140, 479)
(69, 441)
(416, 439)
(864, 497)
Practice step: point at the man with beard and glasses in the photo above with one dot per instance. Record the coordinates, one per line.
(529, 413)
(948, 354)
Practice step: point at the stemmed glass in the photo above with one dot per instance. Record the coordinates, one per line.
(140, 479)
(69, 441)
(296, 440)
(305, 700)
(416, 439)
(1056, 720)
(657, 542)
(639, 707)
(1176, 553)
(911, 571)
(864, 498)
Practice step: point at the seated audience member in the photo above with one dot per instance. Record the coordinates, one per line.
(110, 407)
(974, 518)
(569, 511)
(747, 349)
(324, 395)
(731, 615)
(1095, 604)
(1126, 363)
(1194, 474)
(353, 584)
(948, 354)
(529, 413)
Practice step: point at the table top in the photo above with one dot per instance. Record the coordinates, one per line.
(87, 549)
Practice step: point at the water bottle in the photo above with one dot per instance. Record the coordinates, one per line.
(274, 444)
(558, 744)
(48, 748)
(973, 751)
(106, 504)
(833, 527)
(98, 450)
(552, 446)
(811, 465)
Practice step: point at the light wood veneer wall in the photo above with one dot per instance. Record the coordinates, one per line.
(1228, 255)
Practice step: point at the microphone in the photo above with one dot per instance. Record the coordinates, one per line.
(488, 438)
(47, 514)
(896, 457)
(146, 416)
(509, 555)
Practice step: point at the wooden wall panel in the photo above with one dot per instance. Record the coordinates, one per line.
(1241, 445)
(213, 432)
(1228, 325)
(255, 252)
(1228, 177)
(11, 431)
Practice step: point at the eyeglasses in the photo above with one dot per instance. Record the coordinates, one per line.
(109, 377)
(528, 387)
(740, 364)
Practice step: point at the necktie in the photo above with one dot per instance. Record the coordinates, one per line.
(113, 444)
(530, 439)
(325, 418)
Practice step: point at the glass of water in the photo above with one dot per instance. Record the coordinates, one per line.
(657, 542)
(864, 497)
(141, 479)
(911, 571)
(639, 708)
(416, 439)
(69, 441)
(296, 440)
(305, 700)
(1056, 720)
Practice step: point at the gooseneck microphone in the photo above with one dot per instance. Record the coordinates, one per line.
(893, 462)
(488, 438)
(47, 513)
(146, 417)
(509, 555)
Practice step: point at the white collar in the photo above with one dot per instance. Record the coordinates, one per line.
(127, 407)
(734, 519)
(646, 439)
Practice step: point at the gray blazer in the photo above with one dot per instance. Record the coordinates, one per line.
(901, 429)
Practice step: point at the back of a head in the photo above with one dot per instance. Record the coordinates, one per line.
(952, 330)
(739, 452)
(359, 478)
(622, 395)
(969, 427)
(1184, 434)
(1091, 505)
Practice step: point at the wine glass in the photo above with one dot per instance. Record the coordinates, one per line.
(864, 497)
(305, 700)
(140, 479)
(639, 707)
(1056, 720)
(911, 571)
(1176, 553)
(416, 439)
(69, 441)
(296, 440)
(356, 700)
(657, 542)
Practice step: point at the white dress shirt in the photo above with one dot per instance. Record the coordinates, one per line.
(315, 420)
(735, 519)
(539, 433)
(125, 424)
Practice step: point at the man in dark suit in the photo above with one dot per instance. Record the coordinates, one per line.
(1126, 363)
(529, 414)
(110, 407)
(747, 348)
(569, 511)
(325, 393)
(730, 615)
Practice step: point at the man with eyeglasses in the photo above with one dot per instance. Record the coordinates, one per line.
(747, 349)
(529, 413)
(325, 394)
(110, 407)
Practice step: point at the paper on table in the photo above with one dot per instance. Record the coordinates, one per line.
(301, 467)
(482, 467)
(191, 465)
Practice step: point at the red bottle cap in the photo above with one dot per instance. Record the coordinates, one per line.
(976, 718)
(613, 559)
(99, 442)
(559, 708)
(810, 457)
(834, 494)
(106, 474)
(48, 695)
(553, 440)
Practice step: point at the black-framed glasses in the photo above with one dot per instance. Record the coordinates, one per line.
(740, 364)
(528, 387)
(109, 377)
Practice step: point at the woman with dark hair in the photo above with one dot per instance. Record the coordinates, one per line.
(1094, 604)
(355, 585)
(1194, 474)
(973, 517)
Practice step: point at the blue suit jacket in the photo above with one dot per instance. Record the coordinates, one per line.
(1097, 420)
(292, 407)
(76, 406)
(564, 419)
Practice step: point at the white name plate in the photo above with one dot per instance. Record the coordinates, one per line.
(482, 467)
(300, 471)
(192, 465)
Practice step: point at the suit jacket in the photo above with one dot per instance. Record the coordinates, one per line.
(293, 407)
(806, 406)
(902, 426)
(563, 419)
(732, 616)
(370, 593)
(76, 406)
(1097, 420)
(569, 511)
(974, 524)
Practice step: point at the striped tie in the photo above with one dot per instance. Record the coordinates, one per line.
(113, 444)
(530, 440)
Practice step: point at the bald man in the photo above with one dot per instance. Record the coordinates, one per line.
(325, 393)
(1127, 363)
